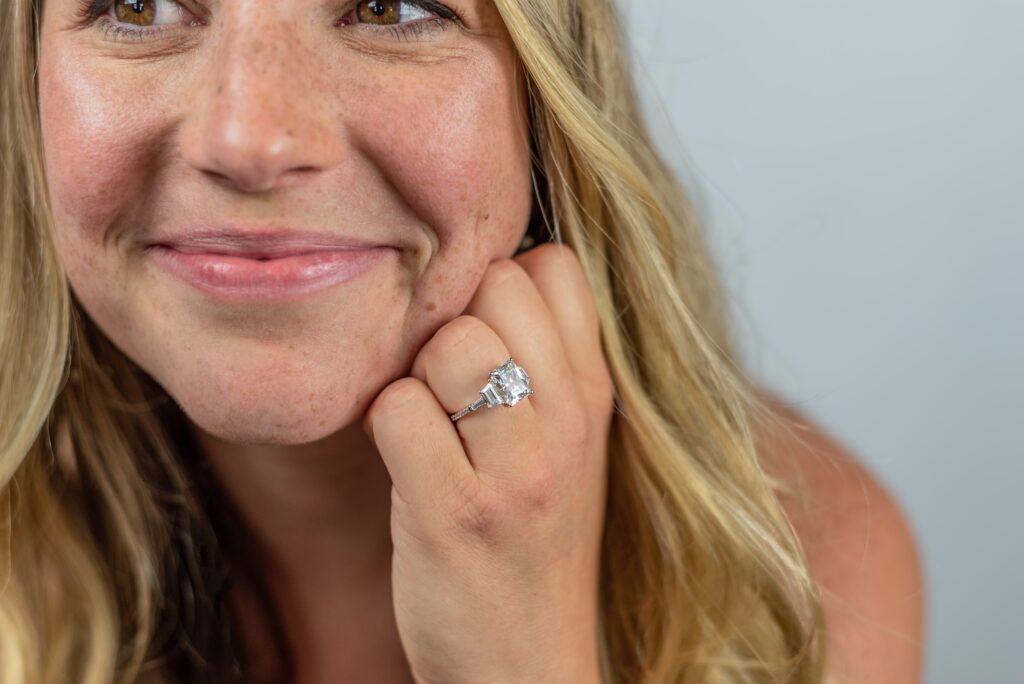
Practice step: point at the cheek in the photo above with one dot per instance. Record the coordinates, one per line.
(93, 162)
(93, 141)
(455, 148)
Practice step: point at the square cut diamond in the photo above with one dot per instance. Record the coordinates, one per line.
(510, 383)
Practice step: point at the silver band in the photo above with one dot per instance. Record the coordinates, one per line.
(508, 384)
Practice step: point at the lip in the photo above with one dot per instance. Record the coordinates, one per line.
(264, 265)
(270, 242)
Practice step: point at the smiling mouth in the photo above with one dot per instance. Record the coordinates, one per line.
(261, 243)
(248, 277)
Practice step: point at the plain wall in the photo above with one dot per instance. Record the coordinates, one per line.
(862, 170)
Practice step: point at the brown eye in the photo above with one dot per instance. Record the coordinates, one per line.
(387, 12)
(138, 12)
(144, 12)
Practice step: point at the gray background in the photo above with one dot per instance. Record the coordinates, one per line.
(862, 167)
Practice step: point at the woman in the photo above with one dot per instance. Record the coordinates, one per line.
(258, 257)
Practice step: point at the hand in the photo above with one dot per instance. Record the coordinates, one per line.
(497, 519)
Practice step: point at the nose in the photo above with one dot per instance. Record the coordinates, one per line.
(257, 121)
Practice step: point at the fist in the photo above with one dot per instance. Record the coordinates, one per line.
(497, 518)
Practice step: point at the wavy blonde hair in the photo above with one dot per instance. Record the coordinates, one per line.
(108, 543)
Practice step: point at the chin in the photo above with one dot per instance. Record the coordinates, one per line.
(272, 414)
(250, 425)
(240, 430)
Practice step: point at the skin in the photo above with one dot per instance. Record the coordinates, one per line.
(445, 552)
(860, 547)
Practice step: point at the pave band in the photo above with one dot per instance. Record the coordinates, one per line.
(508, 384)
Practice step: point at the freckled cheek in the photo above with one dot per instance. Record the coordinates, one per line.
(93, 145)
(457, 156)
(94, 140)
(484, 220)
(460, 163)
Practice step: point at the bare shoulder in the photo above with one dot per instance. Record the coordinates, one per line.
(860, 547)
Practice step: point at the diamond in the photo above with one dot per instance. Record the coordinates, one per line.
(509, 382)
(492, 396)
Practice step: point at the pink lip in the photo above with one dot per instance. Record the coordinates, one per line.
(275, 241)
(290, 272)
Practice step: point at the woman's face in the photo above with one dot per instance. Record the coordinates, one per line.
(318, 115)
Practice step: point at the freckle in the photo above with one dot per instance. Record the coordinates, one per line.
(220, 88)
(430, 306)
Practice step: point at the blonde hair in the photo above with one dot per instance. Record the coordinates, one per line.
(107, 538)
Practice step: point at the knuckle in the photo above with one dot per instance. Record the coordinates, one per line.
(563, 255)
(551, 253)
(542, 490)
(475, 514)
(575, 427)
(501, 271)
(574, 435)
(461, 330)
(477, 521)
(398, 394)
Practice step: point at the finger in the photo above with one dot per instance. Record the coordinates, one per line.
(508, 302)
(454, 364)
(559, 278)
(418, 444)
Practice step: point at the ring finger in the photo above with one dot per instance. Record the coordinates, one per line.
(455, 363)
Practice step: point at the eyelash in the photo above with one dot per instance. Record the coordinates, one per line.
(95, 11)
